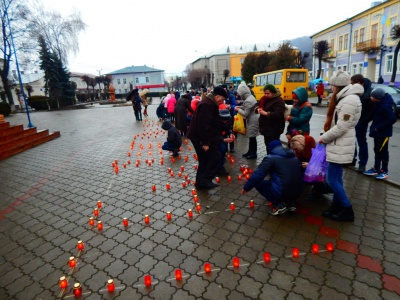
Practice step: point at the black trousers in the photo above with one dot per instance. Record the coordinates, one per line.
(269, 139)
(208, 163)
(252, 145)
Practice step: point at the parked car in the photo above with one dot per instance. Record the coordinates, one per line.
(393, 91)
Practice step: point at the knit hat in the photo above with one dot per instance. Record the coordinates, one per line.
(220, 91)
(273, 144)
(271, 88)
(378, 93)
(341, 78)
(298, 142)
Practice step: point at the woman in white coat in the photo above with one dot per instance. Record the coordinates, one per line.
(343, 113)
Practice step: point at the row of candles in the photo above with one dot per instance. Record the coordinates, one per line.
(77, 289)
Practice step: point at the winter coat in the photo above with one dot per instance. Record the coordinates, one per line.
(137, 101)
(368, 107)
(340, 138)
(285, 171)
(194, 103)
(231, 100)
(383, 118)
(299, 119)
(320, 88)
(247, 111)
(274, 124)
(144, 100)
(174, 138)
(182, 107)
(171, 104)
(205, 126)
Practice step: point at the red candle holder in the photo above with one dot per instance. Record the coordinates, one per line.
(229, 178)
(186, 176)
(169, 216)
(169, 170)
(116, 170)
(182, 168)
(125, 222)
(124, 166)
(146, 219)
(173, 160)
(147, 280)
(295, 252)
(217, 179)
(236, 262)
(113, 165)
(129, 154)
(195, 167)
(315, 248)
(153, 188)
(80, 246)
(91, 221)
(172, 173)
(251, 203)
(232, 206)
(77, 291)
(178, 275)
(72, 262)
(239, 177)
(267, 257)
(129, 161)
(195, 198)
(179, 174)
(63, 282)
(99, 204)
(198, 207)
(167, 186)
(96, 212)
(116, 161)
(110, 286)
(100, 225)
(193, 192)
(329, 247)
(183, 183)
(232, 160)
(207, 268)
(190, 213)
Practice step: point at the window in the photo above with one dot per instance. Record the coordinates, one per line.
(296, 77)
(136, 80)
(341, 43)
(278, 78)
(361, 68)
(271, 79)
(118, 81)
(355, 39)
(362, 32)
(126, 90)
(346, 41)
(393, 21)
(147, 80)
(389, 63)
(120, 91)
(332, 45)
(124, 80)
(354, 69)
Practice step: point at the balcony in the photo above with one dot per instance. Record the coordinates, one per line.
(369, 45)
(330, 55)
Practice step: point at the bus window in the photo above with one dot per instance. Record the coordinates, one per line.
(296, 77)
(258, 80)
(278, 78)
(263, 80)
(271, 78)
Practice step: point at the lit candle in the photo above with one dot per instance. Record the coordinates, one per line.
(77, 290)
(267, 257)
(190, 213)
(178, 275)
(315, 248)
(182, 168)
(207, 268)
(129, 161)
(195, 198)
(251, 203)
(169, 216)
(236, 262)
(91, 221)
(239, 177)
(167, 186)
(147, 280)
(96, 212)
(193, 192)
(198, 207)
(63, 282)
(183, 183)
(195, 167)
(186, 176)
(295, 252)
(125, 222)
(80, 245)
(188, 180)
(153, 187)
(99, 204)
(124, 166)
(217, 179)
(229, 178)
(100, 225)
(169, 170)
(172, 173)
(110, 286)
(329, 247)
(232, 206)
(72, 262)
(146, 219)
(179, 174)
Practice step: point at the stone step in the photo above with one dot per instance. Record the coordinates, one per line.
(17, 135)
(11, 130)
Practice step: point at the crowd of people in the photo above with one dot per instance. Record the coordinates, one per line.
(206, 118)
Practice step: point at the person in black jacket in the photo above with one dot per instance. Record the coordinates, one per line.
(205, 133)
(174, 139)
(226, 137)
(367, 111)
(286, 178)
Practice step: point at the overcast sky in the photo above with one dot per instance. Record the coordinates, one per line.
(165, 34)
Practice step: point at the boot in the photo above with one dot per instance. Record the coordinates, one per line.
(332, 209)
(245, 155)
(251, 155)
(343, 214)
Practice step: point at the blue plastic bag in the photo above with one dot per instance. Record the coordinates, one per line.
(316, 169)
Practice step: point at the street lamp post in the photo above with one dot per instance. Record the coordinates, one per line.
(383, 49)
(99, 83)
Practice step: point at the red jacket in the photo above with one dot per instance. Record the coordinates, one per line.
(320, 88)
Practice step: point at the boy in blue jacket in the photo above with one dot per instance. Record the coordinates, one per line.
(174, 138)
(381, 129)
(286, 178)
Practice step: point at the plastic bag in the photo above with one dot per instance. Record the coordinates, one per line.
(238, 124)
(316, 169)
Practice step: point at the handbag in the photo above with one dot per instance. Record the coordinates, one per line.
(316, 169)
(238, 124)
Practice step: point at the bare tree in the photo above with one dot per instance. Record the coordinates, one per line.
(61, 34)
(197, 77)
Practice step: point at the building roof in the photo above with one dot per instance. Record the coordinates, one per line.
(135, 69)
(28, 78)
(78, 74)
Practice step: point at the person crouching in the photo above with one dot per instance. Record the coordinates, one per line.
(174, 139)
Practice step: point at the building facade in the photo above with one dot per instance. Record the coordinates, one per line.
(141, 77)
(361, 44)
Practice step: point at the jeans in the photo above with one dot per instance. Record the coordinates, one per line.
(223, 147)
(361, 135)
(334, 178)
(265, 190)
(381, 149)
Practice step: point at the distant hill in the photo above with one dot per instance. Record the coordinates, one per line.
(304, 44)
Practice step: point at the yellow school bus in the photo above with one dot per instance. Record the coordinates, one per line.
(285, 80)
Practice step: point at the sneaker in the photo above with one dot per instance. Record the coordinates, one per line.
(360, 169)
(291, 208)
(382, 175)
(371, 172)
(277, 210)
